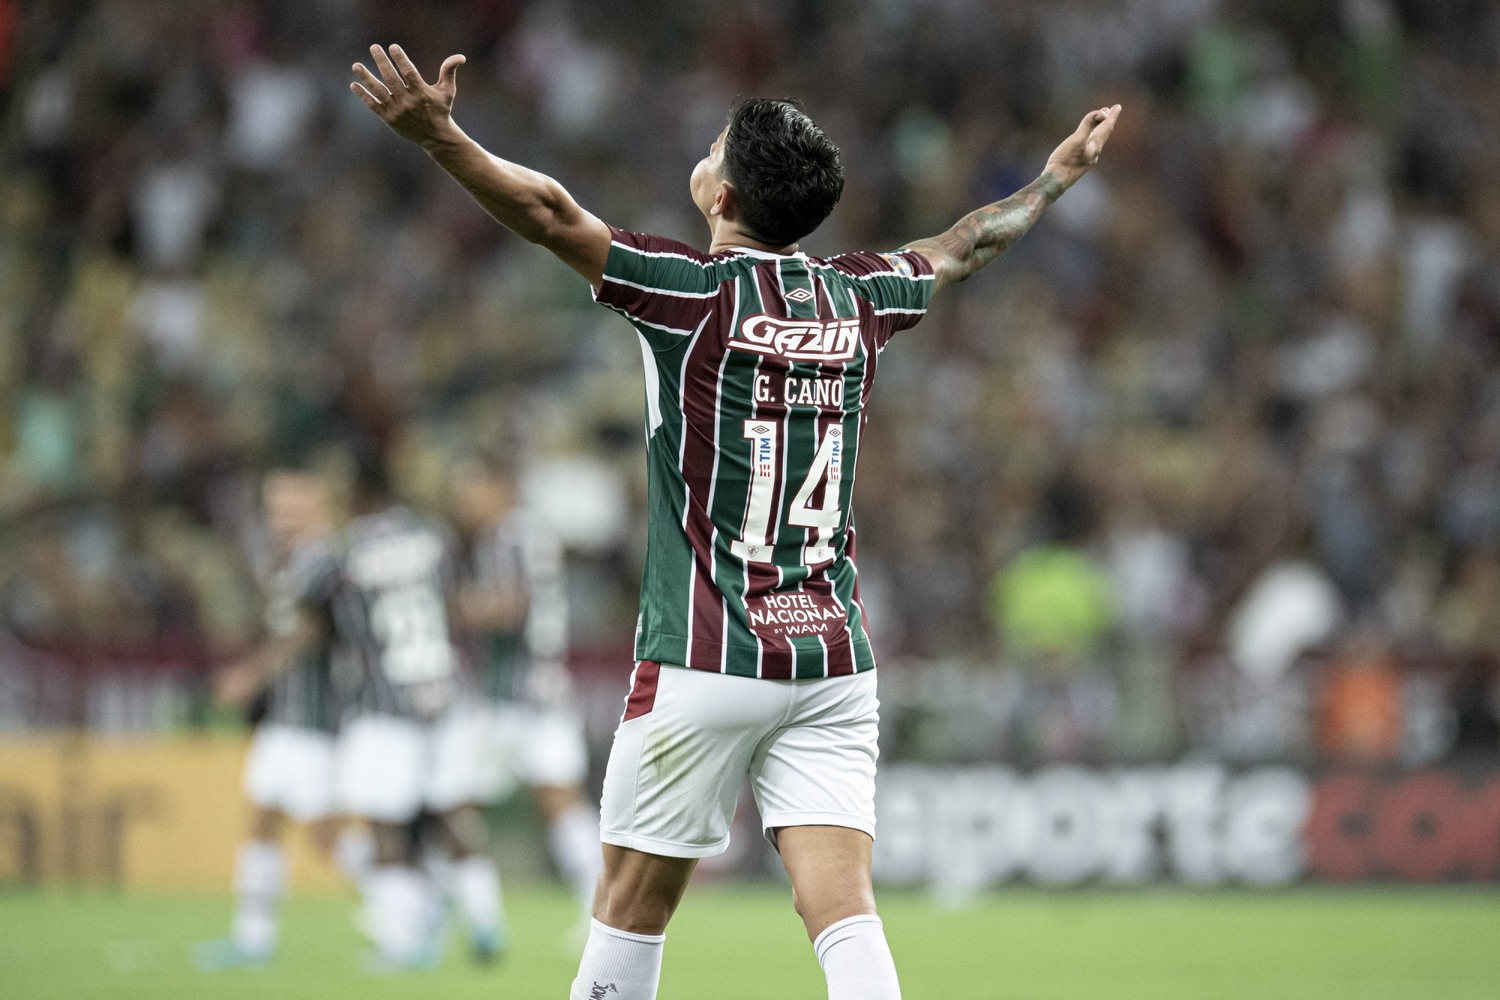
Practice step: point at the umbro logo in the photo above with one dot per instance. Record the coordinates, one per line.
(799, 295)
(760, 429)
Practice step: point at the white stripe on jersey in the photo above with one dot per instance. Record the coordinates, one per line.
(892, 273)
(708, 506)
(653, 387)
(661, 253)
(827, 296)
(658, 290)
(655, 326)
(682, 440)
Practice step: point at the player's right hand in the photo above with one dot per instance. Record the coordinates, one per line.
(413, 108)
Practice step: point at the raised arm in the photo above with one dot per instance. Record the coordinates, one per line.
(986, 233)
(531, 204)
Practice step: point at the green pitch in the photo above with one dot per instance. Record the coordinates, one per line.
(733, 943)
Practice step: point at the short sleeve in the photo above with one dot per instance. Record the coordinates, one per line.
(664, 287)
(897, 285)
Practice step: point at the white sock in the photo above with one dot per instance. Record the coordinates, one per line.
(474, 883)
(618, 965)
(259, 881)
(438, 867)
(397, 911)
(857, 961)
(574, 838)
(354, 852)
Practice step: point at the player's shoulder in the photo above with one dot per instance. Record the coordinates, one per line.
(310, 553)
(860, 264)
(669, 259)
(393, 523)
(654, 245)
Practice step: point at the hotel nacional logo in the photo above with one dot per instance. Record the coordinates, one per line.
(832, 341)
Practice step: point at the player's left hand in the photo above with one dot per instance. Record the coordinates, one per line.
(1080, 151)
(413, 108)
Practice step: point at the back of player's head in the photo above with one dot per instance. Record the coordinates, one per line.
(786, 174)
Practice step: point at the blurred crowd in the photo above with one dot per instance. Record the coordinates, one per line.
(1209, 462)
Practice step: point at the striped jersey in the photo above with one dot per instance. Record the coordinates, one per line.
(758, 369)
(303, 694)
(388, 594)
(521, 554)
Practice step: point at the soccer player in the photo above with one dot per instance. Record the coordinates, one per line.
(413, 736)
(514, 604)
(753, 655)
(289, 769)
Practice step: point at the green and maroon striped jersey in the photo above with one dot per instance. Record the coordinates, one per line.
(303, 695)
(758, 369)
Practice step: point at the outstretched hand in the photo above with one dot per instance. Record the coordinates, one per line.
(1081, 150)
(413, 108)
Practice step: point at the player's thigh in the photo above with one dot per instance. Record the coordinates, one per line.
(819, 768)
(263, 765)
(555, 753)
(458, 771)
(290, 769)
(380, 768)
(501, 745)
(679, 758)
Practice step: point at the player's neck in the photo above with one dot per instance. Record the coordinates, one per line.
(725, 234)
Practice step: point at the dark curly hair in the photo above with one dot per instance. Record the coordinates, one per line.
(786, 174)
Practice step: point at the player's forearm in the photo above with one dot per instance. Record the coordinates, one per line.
(496, 609)
(279, 653)
(525, 201)
(986, 233)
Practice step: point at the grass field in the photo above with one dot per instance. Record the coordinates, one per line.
(734, 943)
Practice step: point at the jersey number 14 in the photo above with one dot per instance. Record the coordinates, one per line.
(756, 542)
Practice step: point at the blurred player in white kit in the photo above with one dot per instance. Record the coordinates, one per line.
(413, 736)
(514, 603)
(289, 769)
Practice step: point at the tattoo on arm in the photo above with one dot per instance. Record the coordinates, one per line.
(985, 233)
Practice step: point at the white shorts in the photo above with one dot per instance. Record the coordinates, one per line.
(689, 738)
(290, 769)
(388, 768)
(534, 747)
